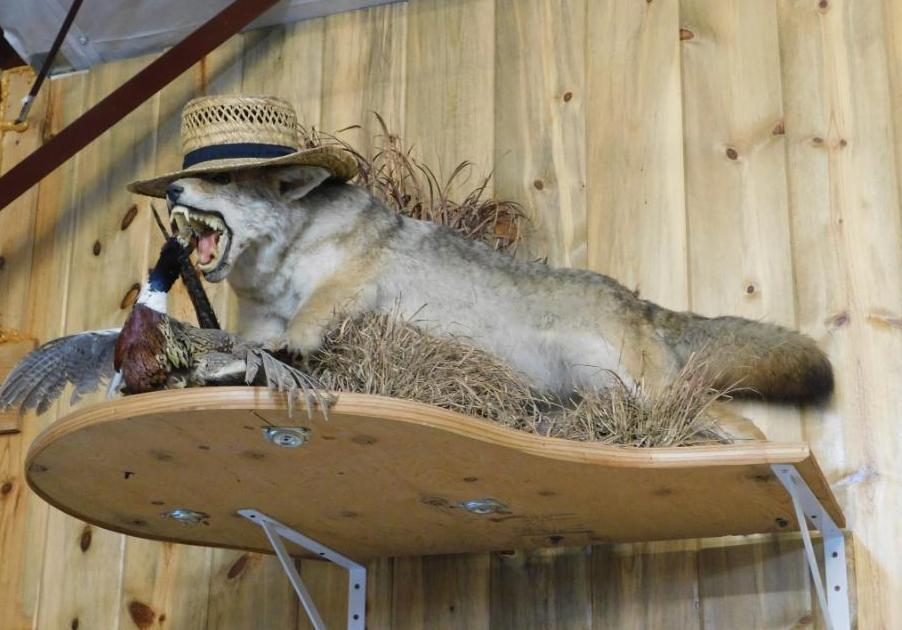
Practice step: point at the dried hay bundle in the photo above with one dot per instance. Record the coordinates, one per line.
(392, 174)
(388, 356)
(674, 415)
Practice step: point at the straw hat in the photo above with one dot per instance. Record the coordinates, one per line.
(227, 133)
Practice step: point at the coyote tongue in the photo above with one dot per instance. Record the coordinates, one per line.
(206, 246)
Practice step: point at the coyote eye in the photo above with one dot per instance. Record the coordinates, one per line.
(218, 178)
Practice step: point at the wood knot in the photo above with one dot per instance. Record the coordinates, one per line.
(142, 614)
(686, 34)
(568, 96)
(84, 541)
(6, 488)
(823, 5)
(732, 153)
(438, 502)
(74, 624)
(237, 567)
(750, 289)
(837, 321)
(2, 263)
(96, 248)
(539, 184)
(779, 129)
(130, 297)
(130, 215)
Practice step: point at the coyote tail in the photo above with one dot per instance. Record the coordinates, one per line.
(760, 360)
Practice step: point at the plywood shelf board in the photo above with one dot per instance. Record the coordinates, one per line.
(385, 477)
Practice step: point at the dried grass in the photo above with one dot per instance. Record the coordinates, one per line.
(674, 415)
(391, 172)
(389, 356)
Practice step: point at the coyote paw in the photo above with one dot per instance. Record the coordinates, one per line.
(277, 344)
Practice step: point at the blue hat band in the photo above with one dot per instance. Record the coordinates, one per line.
(237, 150)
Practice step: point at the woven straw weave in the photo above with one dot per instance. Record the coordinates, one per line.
(225, 120)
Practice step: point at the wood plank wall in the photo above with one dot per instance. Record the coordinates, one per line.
(730, 156)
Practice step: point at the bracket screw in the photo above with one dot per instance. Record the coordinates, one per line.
(286, 437)
(484, 506)
(186, 516)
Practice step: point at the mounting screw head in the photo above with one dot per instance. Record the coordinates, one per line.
(286, 437)
(83, 40)
(186, 516)
(484, 506)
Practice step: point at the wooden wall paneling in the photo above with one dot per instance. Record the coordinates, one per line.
(756, 584)
(17, 220)
(540, 122)
(328, 585)
(12, 351)
(287, 61)
(249, 590)
(893, 18)
(547, 588)
(637, 212)
(23, 516)
(848, 251)
(451, 86)
(106, 262)
(740, 259)
(54, 224)
(364, 71)
(442, 592)
(645, 586)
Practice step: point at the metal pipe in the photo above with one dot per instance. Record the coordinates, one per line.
(48, 61)
(128, 97)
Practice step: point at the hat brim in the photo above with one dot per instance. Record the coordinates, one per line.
(335, 160)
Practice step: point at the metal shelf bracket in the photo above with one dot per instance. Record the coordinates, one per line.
(276, 531)
(834, 596)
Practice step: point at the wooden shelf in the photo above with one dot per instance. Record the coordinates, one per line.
(386, 477)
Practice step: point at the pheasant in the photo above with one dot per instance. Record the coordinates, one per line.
(151, 351)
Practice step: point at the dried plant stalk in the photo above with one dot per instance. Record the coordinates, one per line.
(392, 174)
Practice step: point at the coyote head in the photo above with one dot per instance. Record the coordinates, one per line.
(225, 213)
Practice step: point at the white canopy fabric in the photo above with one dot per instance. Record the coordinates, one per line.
(114, 29)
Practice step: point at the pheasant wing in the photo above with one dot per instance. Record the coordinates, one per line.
(84, 360)
(288, 379)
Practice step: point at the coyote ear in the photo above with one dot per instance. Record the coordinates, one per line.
(297, 181)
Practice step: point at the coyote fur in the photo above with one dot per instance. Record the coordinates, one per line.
(299, 247)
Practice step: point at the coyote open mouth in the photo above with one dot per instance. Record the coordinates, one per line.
(207, 232)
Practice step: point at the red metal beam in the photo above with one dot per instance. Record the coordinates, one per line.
(128, 96)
